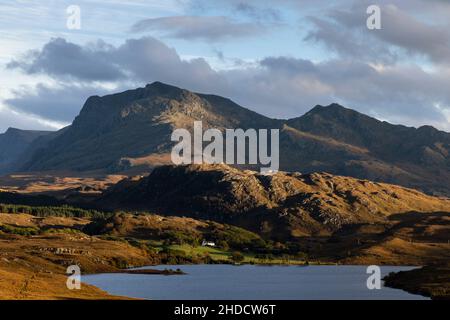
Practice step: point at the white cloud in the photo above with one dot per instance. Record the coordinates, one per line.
(12, 118)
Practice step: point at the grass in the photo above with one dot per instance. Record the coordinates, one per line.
(219, 255)
(214, 253)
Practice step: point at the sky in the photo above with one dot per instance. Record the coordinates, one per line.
(279, 58)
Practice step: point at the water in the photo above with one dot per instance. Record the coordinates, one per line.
(248, 282)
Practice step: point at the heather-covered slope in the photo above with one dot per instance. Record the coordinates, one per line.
(284, 204)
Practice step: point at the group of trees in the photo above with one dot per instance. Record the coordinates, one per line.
(171, 237)
(54, 211)
(23, 231)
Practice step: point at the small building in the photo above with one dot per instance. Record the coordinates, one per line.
(208, 243)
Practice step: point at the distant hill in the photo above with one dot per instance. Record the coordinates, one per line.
(13, 144)
(280, 205)
(132, 130)
(342, 141)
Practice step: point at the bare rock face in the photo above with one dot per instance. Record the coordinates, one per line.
(291, 204)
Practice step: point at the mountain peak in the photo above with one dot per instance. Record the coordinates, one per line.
(332, 120)
(159, 84)
(162, 87)
(13, 143)
(16, 131)
(333, 108)
(12, 130)
(330, 106)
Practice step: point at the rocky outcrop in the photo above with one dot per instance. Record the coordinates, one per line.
(295, 204)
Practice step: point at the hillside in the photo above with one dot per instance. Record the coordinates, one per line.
(342, 141)
(282, 205)
(130, 132)
(114, 130)
(430, 281)
(13, 144)
(287, 218)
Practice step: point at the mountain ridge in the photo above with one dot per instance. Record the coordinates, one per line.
(13, 143)
(121, 131)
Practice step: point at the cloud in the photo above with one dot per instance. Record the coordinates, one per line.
(402, 34)
(257, 13)
(11, 118)
(349, 44)
(61, 59)
(60, 104)
(288, 87)
(148, 59)
(275, 86)
(407, 32)
(210, 28)
(261, 5)
(143, 60)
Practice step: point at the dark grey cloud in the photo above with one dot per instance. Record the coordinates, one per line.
(344, 31)
(64, 59)
(418, 28)
(210, 28)
(61, 103)
(352, 44)
(148, 59)
(415, 36)
(143, 60)
(288, 87)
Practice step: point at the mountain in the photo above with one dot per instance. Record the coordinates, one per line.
(131, 130)
(113, 130)
(343, 141)
(13, 144)
(280, 205)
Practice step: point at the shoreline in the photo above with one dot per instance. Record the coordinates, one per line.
(428, 281)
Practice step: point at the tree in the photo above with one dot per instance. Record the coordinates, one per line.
(223, 245)
(237, 257)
